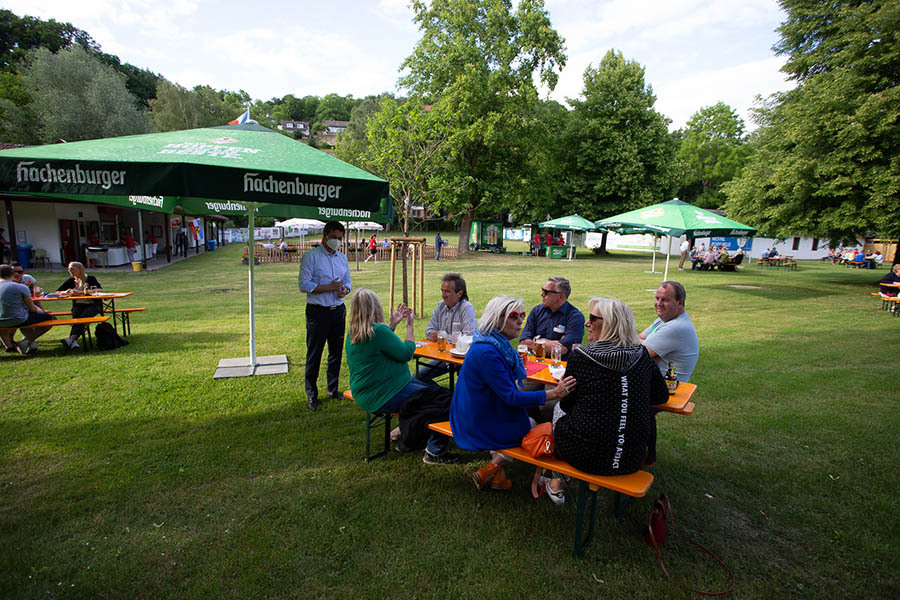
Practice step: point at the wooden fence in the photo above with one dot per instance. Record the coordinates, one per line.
(295, 254)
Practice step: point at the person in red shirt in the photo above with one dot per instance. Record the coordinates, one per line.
(549, 240)
(129, 245)
(373, 249)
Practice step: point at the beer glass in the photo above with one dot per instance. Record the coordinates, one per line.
(455, 330)
(442, 341)
(523, 352)
(556, 354)
(539, 350)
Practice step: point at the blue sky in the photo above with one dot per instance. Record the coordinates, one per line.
(695, 52)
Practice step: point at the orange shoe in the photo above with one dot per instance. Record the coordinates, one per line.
(482, 476)
(500, 480)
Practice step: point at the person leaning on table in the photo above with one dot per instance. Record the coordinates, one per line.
(17, 309)
(603, 427)
(453, 309)
(488, 411)
(378, 362)
(78, 285)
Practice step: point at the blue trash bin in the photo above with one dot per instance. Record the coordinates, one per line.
(212, 245)
(24, 254)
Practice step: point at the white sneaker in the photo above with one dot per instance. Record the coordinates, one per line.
(74, 345)
(558, 497)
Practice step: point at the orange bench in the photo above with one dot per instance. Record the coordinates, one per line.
(634, 485)
(86, 340)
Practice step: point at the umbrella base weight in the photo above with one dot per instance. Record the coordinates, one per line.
(240, 367)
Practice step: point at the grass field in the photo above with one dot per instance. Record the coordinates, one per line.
(132, 474)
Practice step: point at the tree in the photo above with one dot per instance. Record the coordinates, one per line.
(714, 150)
(75, 97)
(176, 108)
(18, 35)
(826, 153)
(18, 123)
(477, 62)
(617, 150)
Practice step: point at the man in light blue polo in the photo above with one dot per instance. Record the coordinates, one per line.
(670, 338)
(325, 279)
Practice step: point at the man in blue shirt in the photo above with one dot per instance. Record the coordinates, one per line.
(325, 279)
(554, 319)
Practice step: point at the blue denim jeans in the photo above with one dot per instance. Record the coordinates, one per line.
(437, 443)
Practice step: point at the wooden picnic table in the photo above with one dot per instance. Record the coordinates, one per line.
(108, 299)
(538, 372)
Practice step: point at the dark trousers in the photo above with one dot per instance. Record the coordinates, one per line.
(324, 325)
(82, 311)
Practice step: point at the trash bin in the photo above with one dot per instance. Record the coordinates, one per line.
(136, 266)
(24, 255)
(212, 245)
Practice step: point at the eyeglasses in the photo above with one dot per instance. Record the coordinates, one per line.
(592, 317)
(545, 291)
(18, 271)
(516, 315)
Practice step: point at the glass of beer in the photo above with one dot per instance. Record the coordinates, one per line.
(442, 341)
(539, 350)
(556, 354)
(523, 352)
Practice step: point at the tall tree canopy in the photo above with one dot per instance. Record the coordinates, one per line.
(827, 154)
(714, 150)
(176, 108)
(76, 97)
(617, 151)
(477, 62)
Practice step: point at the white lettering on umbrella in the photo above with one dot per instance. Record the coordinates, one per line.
(156, 201)
(27, 173)
(290, 187)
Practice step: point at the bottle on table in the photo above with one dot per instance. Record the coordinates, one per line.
(671, 379)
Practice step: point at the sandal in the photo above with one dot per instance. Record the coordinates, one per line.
(485, 474)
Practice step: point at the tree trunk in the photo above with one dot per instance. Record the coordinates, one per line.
(602, 250)
(465, 225)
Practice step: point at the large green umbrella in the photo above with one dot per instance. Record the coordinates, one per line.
(675, 218)
(235, 169)
(570, 223)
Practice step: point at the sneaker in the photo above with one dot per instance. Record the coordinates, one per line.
(558, 497)
(23, 346)
(74, 345)
(32, 346)
(441, 459)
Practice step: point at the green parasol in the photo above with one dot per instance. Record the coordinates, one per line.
(675, 218)
(570, 223)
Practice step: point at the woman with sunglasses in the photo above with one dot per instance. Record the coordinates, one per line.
(488, 409)
(603, 427)
(79, 284)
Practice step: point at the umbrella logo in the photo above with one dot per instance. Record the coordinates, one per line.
(649, 214)
(709, 219)
(223, 140)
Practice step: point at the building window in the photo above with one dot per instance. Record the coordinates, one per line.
(796, 245)
(815, 244)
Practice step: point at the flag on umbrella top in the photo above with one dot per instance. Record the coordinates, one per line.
(244, 118)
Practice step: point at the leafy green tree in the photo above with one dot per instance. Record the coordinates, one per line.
(334, 108)
(176, 108)
(18, 35)
(714, 150)
(617, 151)
(76, 97)
(826, 153)
(353, 143)
(478, 62)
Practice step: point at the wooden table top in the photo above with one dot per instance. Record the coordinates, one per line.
(100, 296)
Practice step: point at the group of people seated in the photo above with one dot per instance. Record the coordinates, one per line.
(601, 407)
(703, 259)
(19, 310)
(856, 257)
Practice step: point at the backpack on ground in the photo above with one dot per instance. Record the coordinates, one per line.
(107, 338)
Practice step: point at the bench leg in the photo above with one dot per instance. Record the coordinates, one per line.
(620, 503)
(585, 495)
(373, 420)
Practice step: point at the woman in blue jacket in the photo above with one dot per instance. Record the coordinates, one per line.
(488, 411)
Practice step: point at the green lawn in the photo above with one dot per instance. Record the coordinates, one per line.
(132, 474)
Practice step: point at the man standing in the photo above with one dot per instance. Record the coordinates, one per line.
(438, 242)
(671, 338)
(454, 309)
(685, 248)
(325, 279)
(554, 319)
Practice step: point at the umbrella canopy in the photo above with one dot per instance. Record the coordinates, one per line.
(571, 223)
(301, 223)
(235, 169)
(365, 226)
(676, 218)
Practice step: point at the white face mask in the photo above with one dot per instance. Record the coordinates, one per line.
(334, 243)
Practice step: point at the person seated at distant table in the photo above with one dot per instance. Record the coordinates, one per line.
(80, 284)
(708, 260)
(454, 314)
(877, 259)
(696, 259)
(773, 253)
(723, 257)
(17, 309)
(893, 276)
(285, 247)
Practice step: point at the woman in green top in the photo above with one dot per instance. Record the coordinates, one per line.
(378, 362)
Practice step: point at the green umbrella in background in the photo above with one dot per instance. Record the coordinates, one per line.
(234, 169)
(675, 218)
(571, 223)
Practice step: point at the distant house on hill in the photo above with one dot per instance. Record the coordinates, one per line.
(301, 127)
(331, 131)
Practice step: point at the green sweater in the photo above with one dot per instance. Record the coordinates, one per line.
(378, 367)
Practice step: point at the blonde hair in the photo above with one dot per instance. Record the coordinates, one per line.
(81, 276)
(618, 321)
(494, 316)
(365, 312)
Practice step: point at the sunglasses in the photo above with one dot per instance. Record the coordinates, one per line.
(516, 315)
(17, 271)
(592, 317)
(545, 291)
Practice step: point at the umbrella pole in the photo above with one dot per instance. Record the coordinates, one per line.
(141, 237)
(251, 209)
(668, 253)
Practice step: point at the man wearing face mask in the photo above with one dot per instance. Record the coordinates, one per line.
(325, 279)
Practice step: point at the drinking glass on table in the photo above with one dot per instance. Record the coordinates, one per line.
(455, 330)
(92, 291)
(523, 352)
(442, 340)
(556, 354)
(539, 349)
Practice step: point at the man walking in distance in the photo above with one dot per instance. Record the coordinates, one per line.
(325, 279)
(670, 338)
(685, 248)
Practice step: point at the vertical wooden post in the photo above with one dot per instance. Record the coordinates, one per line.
(393, 264)
(415, 253)
(422, 282)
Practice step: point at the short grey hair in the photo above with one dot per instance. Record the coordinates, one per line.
(562, 285)
(680, 294)
(494, 316)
